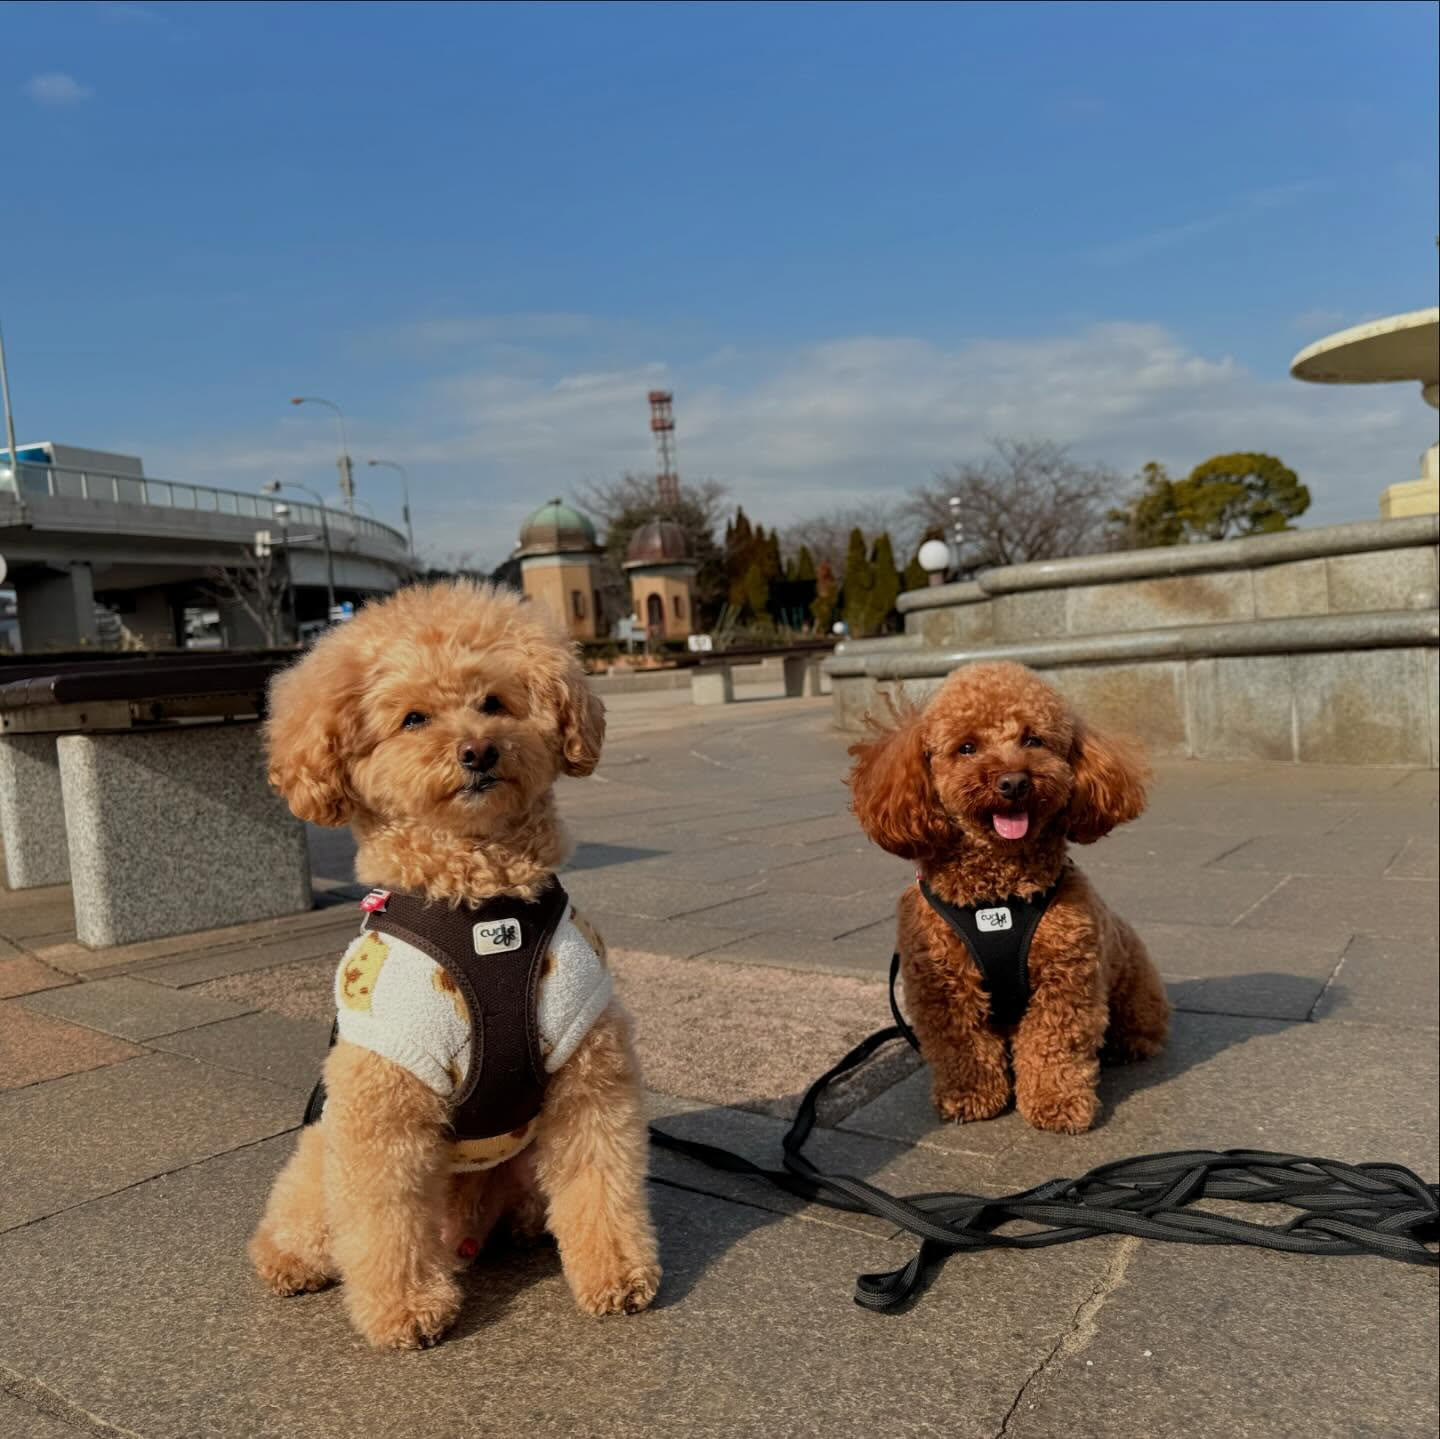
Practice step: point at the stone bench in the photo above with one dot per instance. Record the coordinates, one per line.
(143, 785)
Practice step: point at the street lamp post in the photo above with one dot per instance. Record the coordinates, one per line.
(405, 491)
(9, 416)
(272, 487)
(347, 470)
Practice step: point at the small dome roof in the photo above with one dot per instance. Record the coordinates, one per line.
(556, 528)
(657, 543)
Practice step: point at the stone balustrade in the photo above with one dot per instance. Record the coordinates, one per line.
(1311, 645)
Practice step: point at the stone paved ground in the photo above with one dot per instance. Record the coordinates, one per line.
(146, 1096)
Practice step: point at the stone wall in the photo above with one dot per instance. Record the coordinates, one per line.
(1311, 646)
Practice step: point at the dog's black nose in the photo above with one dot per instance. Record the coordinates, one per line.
(473, 757)
(1015, 785)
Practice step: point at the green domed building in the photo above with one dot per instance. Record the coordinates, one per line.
(560, 567)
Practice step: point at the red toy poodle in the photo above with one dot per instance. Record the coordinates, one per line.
(985, 788)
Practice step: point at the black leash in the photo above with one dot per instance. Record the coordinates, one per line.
(1382, 1209)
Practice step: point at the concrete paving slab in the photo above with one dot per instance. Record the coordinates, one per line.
(853, 871)
(681, 938)
(824, 916)
(75, 958)
(286, 1052)
(1323, 854)
(860, 952)
(747, 861)
(649, 897)
(26, 913)
(133, 1008)
(1348, 1092)
(1151, 844)
(35, 1047)
(246, 959)
(1206, 896)
(91, 1134)
(1398, 908)
(1385, 981)
(754, 1332)
(1191, 1341)
(23, 974)
(298, 991)
(1420, 859)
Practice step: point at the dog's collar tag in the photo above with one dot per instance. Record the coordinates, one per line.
(375, 901)
(497, 936)
(991, 921)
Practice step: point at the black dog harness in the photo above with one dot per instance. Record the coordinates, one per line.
(504, 1087)
(998, 938)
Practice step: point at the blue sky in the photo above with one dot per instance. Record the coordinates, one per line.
(857, 241)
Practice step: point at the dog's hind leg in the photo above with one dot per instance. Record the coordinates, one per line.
(1139, 1006)
(591, 1157)
(290, 1248)
(387, 1162)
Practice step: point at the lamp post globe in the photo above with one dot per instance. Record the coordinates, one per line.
(934, 559)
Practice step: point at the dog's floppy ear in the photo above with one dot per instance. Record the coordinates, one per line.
(891, 791)
(581, 716)
(1110, 778)
(310, 729)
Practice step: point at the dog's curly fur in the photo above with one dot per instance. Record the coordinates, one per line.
(368, 1197)
(925, 786)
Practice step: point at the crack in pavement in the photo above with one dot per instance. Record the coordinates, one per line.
(45, 1400)
(1083, 1327)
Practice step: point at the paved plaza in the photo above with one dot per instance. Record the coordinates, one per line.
(149, 1094)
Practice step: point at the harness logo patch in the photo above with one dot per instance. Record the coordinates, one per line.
(990, 921)
(497, 936)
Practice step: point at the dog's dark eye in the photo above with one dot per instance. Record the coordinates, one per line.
(1033, 741)
(415, 719)
(492, 705)
(967, 748)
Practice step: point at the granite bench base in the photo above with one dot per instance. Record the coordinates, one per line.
(175, 831)
(32, 813)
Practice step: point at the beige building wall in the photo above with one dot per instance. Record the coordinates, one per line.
(567, 588)
(672, 596)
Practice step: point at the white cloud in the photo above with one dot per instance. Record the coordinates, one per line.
(55, 87)
(848, 422)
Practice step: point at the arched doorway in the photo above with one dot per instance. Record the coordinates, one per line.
(654, 613)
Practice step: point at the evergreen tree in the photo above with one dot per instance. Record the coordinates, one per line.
(884, 584)
(757, 593)
(914, 577)
(855, 604)
(804, 565)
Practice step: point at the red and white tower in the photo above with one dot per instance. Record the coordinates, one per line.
(662, 422)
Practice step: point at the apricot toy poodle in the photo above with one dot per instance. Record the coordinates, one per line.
(985, 788)
(482, 1076)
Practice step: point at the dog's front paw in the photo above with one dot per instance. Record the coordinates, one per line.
(964, 1106)
(283, 1272)
(625, 1293)
(1060, 1112)
(414, 1320)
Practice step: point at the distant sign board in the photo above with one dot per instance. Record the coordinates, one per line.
(342, 612)
(699, 644)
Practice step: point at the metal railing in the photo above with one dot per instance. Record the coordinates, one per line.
(30, 481)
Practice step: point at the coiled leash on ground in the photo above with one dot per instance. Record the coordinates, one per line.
(1382, 1209)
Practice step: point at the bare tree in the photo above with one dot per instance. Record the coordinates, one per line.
(1028, 501)
(827, 535)
(257, 582)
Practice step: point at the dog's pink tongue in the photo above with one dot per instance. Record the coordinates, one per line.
(1011, 826)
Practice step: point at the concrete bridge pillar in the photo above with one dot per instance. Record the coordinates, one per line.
(151, 617)
(56, 608)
